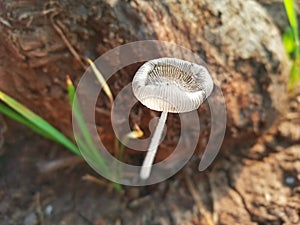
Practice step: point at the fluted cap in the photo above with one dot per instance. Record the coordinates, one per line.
(172, 85)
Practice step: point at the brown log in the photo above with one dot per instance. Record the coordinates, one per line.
(237, 39)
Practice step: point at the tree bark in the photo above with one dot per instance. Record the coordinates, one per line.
(237, 39)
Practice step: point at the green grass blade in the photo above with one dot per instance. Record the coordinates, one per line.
(71, 90)
(118, 187)
(78, 116)
(292, 16)
(20, 119)
(295, 75)
(120, 146)
(288, 40)
(39, 122)
(87, 142)
(290, 10)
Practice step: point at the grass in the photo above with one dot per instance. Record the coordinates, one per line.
(292, 43)
(85, 142)
(18, 112)
(102, 81)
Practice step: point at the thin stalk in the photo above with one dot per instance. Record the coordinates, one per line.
(292, 16)
(148, 161)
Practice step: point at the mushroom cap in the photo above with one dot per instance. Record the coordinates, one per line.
(172, 85)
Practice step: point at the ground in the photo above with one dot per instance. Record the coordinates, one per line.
(257, 185)
(42, 183)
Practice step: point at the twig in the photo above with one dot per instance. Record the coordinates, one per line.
(98, 181)
(101, 80)
(5, 22)
(292, 115)
(39, 209)
(93, 179)
(59, 163)
(57, 24)
(198, 201)
(102, 111)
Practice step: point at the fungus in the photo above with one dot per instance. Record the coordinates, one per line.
(169, 85)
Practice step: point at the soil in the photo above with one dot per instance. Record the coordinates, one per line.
(254, 182)
(259, 185)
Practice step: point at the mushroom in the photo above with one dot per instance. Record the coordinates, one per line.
(169, 85)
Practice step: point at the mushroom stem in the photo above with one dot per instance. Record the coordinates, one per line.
(148, 161)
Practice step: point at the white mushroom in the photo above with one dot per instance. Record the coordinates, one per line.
(169, 85)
